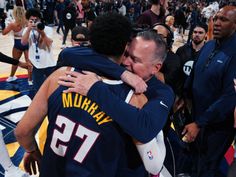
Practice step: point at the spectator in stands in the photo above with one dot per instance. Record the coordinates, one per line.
(156, 14)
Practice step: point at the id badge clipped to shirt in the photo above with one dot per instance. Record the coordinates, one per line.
(37, 56)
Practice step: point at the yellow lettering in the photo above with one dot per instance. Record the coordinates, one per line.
(85, 104)
(105, 120)
(92, 109)
(67, 100)
(98, 116)
(77, 102)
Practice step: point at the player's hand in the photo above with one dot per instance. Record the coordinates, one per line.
(190, 132)
(78, 82)
(134, 81)
(31, 161)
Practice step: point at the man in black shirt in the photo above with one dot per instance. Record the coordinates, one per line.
(189, 52)
(170, 73)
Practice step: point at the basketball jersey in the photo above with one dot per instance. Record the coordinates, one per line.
(82, 140)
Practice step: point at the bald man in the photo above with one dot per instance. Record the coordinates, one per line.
(213, 97)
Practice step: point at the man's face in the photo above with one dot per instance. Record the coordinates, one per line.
(224, 23)
(139, 58)
(198, 35)
(33, 21)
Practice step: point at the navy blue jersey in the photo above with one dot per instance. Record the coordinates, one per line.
(82, 140)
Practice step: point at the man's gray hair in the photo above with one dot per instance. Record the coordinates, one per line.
(151, 35)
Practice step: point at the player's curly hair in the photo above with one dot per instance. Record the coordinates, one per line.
(109, 34)
(33, 12)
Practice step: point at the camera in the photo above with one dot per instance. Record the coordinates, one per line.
(40, 26)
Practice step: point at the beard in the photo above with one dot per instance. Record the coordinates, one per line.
(197, 42)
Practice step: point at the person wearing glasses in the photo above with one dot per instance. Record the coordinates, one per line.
(39, 38)
(170, 72)
(213, 97)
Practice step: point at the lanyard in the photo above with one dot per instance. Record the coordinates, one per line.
(36, 41)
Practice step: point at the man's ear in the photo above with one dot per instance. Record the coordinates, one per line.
(156, 68)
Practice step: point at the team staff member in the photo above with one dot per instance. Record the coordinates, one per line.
(212, 89)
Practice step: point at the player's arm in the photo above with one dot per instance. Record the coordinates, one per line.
(27, 128)
(33, 117)
(103, 67)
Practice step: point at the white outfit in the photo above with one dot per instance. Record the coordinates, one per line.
(45, 59)
(122, 10)
(41, 58)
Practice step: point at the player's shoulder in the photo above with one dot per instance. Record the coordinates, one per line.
(52, 80)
